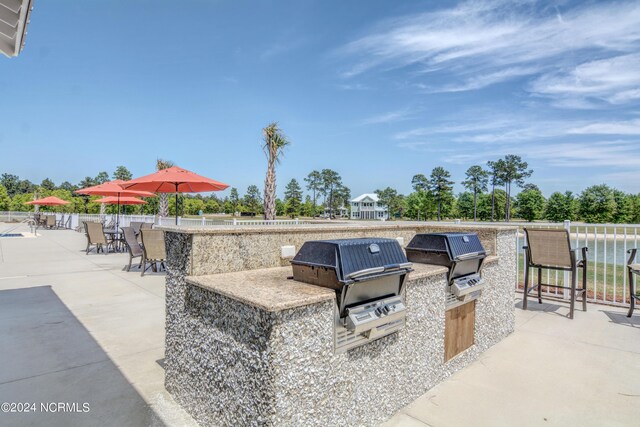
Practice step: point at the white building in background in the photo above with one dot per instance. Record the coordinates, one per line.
(366, 207)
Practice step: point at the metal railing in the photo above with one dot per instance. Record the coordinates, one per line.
(607, 281)
(10, 216)
(295, 221)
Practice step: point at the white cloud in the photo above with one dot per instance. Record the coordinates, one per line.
(354, 86)
(390, 117)
(625, 127)
(615, 80)
(619, 154)
(478, 82)
(480, 43)
(503, 128)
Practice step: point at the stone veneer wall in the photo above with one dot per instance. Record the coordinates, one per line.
(260, 248)
(228, 363)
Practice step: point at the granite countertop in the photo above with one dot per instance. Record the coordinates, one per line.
(265, 288)
(339, 226)
(270, 290)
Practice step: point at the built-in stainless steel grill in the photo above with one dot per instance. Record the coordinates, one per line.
(368, 276)
(462, 253)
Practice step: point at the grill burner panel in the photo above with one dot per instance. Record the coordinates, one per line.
(366, 318)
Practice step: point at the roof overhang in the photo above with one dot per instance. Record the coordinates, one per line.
(14, 19)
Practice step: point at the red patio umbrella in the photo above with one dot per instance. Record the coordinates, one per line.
(113, 188)
(174, 180)
(126, 200)
(48, 201)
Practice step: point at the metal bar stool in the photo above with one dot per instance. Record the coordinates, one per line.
(633, 270)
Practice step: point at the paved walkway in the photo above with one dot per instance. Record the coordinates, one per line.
(551, 371)
(76, 328)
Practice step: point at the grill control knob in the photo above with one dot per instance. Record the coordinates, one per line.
(385, 309)
(379, 312)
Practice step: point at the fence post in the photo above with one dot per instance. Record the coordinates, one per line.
(566, 294)
(297, 221)
(234, 221)
(202, 220)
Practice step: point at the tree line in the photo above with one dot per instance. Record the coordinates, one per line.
(487, 197)
(327, 194)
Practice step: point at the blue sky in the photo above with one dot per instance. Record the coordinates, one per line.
(376, 90)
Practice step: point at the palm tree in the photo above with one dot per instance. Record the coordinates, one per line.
(86, 182)
(274, 143)
(163, 202)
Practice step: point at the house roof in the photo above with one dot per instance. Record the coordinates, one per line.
(372, 196)
(14, 18)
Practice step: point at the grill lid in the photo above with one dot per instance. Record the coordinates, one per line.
(458, 246)
(354, 259)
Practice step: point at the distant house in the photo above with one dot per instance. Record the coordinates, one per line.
(340, 212)
(366, 206)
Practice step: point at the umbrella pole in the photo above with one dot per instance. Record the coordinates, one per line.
(176, 204)
(118, 214)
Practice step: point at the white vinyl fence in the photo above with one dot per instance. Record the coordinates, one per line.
(73, 221)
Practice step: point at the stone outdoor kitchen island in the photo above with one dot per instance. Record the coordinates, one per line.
(245, 345)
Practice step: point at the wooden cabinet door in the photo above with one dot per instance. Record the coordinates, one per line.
(459, 327)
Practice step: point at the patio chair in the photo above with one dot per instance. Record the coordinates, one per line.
(96, 237)
(60, 223)
(51, 221)
(153, 248)
(550, 249)
(134, 248)
(146, 226)
(41, 220)
(633, 270)
(135, 225)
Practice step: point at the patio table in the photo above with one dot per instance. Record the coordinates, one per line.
(116, 238)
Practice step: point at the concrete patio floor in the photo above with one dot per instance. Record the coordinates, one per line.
(78, 328)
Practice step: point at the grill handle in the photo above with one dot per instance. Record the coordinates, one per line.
(469, 255)
(381, 269)
(366, 272)
(398, 266)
